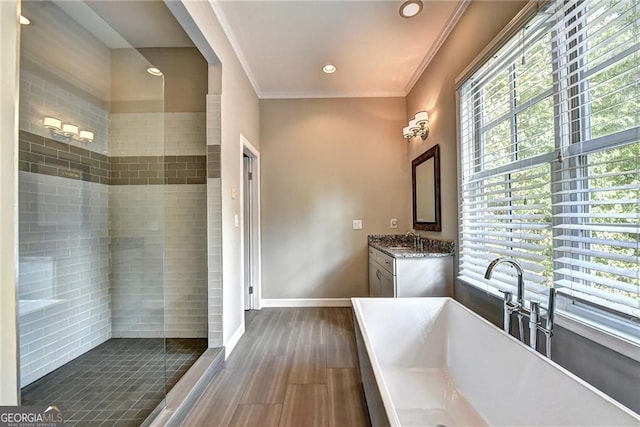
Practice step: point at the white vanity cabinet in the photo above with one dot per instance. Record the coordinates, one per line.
(381, 274)
(409, 276)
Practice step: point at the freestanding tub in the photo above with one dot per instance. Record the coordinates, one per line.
(433, 362)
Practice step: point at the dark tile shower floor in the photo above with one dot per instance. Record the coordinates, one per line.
(118, 383)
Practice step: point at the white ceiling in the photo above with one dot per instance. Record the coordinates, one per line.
(284, 44)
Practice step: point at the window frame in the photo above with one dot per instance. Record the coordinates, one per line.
(596, 322)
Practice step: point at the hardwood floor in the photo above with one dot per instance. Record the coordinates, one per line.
(294, 367)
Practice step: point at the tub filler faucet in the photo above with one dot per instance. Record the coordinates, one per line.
(518, 307)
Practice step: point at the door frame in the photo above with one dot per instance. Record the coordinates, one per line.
(256, 259)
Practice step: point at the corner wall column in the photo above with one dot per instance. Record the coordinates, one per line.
(214, 221)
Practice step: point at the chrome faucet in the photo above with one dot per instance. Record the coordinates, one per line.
(518, 307)
(509, 306)
(418, 241)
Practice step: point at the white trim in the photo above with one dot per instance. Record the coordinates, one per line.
(257, 253)
(233, 41)
(233, 341)
(306, 302)
(527, 12)
(341, 94)
(437, 44)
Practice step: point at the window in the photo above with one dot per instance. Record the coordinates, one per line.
(550, 159)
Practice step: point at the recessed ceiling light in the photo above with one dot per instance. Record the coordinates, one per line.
(329, 68)
(410, 8)
(24, 20)
(154, 71)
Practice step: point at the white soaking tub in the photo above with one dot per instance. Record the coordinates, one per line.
(433, 362)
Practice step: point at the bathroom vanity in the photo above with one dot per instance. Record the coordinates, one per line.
(398, 267)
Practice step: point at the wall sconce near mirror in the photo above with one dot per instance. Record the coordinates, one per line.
(67, 131)
(418, 126)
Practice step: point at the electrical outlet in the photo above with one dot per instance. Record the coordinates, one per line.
(394, 223)
(357, 224)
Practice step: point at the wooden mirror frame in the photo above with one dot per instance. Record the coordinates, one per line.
(433, 152)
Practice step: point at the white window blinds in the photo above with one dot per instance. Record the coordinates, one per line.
(550, 156)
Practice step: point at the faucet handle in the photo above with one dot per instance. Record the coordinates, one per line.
(535, 308)
(508, 296)
(551, 308)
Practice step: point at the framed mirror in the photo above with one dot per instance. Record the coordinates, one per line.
(425, 174)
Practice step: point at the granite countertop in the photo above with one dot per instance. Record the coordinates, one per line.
(403, 246)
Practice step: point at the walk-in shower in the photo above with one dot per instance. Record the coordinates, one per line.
(112, 221)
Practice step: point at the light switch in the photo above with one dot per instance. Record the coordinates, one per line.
(236, 220)
(357, 224)
(234, 194)
(394, 223)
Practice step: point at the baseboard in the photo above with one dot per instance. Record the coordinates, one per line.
(306, 302)
(231, 344)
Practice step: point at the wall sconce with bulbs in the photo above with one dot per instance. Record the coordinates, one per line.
(418, 126)
(67, 131)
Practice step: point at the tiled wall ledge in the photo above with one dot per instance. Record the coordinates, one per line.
(46, 156)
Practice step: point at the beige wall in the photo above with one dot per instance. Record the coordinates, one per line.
(435, 92)
(9, 12)
(185, 74)
(183, 88)
(239, 116)
(326, 162)
(133, 90)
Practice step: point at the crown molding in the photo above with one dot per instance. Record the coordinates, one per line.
(233, 41)
(298, 95)
(435, 47)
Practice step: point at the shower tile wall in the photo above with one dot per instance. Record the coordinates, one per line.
(64, 271)
(137, 251)
(40, 97)
(74, 233)
(54, 52)
(91, 246)
(142, 307)
(185, 134)
(136, 134)
(141, 134)
(64, 257)
(64, 241)
(186, 261)
(181, 218)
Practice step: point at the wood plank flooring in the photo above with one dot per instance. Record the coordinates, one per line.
(294, 367)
